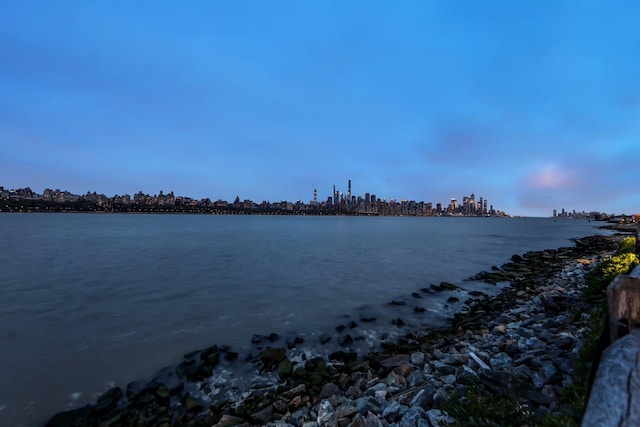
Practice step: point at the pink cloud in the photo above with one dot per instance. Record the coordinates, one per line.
(551, 176)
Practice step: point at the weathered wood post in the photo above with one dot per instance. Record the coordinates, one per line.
(623, 300)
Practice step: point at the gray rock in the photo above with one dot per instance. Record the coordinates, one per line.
(443, 368)
(301, 413)
(412, 417)
(501, 361)
(537, 379)
(346, 411)
(326, 412)
(438, 418)
(367, 404)
(394, 411)
(423, 399)
(369, 421)
(417, 358)
(329, 389)
(449, 379)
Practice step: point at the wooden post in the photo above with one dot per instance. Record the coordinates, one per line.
(623, 300)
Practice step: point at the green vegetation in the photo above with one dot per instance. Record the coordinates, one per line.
(628, 245)
(599, 278)
(477, 408)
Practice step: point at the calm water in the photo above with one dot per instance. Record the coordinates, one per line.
(90, 300)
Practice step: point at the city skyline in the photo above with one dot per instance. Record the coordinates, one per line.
(337, 202)
(535, 104)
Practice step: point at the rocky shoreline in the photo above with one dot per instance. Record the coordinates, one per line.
(521, 342)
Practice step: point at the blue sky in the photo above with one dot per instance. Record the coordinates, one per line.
(533, 105)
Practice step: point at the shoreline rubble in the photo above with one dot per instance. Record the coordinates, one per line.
(521, 341)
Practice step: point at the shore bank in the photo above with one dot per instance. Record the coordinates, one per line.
(532, 328)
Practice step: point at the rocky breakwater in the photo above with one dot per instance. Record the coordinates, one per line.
(520, 343)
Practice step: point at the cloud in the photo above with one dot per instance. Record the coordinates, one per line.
(551, 176)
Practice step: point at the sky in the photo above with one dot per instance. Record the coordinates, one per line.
(534, 106)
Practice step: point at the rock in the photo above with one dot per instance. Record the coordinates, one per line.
(418, 309)
(76, 417)
(367, 404)
(398, 322)
(367, 318)
(229, 420)
(393, 361)
(292, 342)
(108, 401)
(271, 357)
(412, 417)
(345, 340)
(438, 418)
(443, 368)
(325, 338)
(398, 301)
(369, 421)
(417, 358)
(448, 379)
(296, 391)
(346, 411)
(192, 404)
(329, 389)
(263, 416)
(423, 398)
(452, 300)
(325, 412)
(210, 355)
(393, 411)
(285, 368)
(230, 356)
(501, 361)
(446, 286)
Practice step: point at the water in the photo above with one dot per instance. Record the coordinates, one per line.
(90, 300)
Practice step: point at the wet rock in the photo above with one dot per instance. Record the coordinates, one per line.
(367, 318)
(263, 416)
(271, 357)
(285, 369)
(75, 417)
(108, 401)
(192, 404)
(324, 338)
(345, 340)
(398, 301)
(293, 342)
